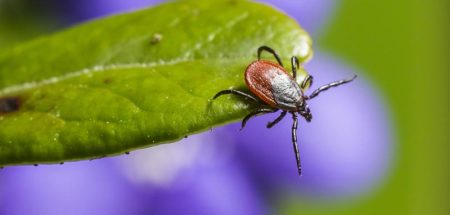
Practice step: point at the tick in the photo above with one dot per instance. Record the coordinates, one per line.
(275, 89)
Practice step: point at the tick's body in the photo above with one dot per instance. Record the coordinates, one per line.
(276, 89)
(271, 83)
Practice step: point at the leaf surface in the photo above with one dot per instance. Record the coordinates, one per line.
(135, 80)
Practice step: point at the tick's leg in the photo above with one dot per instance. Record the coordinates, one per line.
(294, 142)
(295, 65)
(270, 50)
(277, 120)
(309, 79)
(330, 85)
(235, 92)
(254, 113)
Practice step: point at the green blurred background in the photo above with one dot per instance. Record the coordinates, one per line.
(404, 46)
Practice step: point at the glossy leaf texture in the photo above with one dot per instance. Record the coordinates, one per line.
(135, 80)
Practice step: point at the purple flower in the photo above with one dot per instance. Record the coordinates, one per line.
(73, 188)
(311, 14)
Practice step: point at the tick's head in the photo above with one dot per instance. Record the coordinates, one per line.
(307, 114)
(303, 110)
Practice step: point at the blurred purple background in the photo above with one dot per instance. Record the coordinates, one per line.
(345, 150)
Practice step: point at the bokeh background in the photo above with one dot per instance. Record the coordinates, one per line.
(378, 145)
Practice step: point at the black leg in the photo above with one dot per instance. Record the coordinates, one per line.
(294, 142)
(295, 65)
(254, 113)
(235, 92)
(270, 50)
(309, 79)
(330, 85)
(277, 120)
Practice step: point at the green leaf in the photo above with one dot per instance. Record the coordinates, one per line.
(135, 80)
(21, 20)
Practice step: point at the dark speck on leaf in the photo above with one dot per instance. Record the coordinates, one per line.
(9, 104)
(156, 38)
(127, 153)
(107, 81)
(186, 136)
(99, 157)
(35, 164)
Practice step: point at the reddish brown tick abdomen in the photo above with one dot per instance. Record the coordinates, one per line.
(259, 77)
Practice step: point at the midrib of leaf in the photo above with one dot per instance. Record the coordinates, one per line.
(87, 72)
